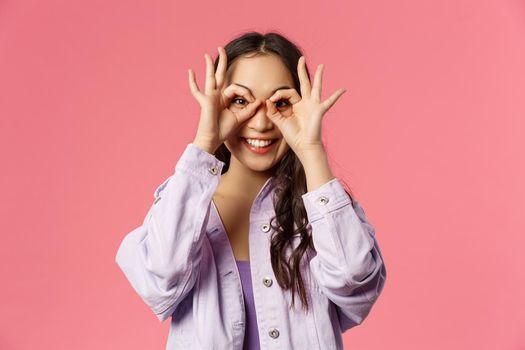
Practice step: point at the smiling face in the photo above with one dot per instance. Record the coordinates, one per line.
(262, 75)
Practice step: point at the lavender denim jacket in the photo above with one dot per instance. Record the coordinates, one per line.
(181, 264)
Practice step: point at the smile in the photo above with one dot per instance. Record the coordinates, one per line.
(259, 146)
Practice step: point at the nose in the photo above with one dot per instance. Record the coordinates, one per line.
(260, 120)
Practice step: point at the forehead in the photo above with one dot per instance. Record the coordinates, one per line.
(260, 73)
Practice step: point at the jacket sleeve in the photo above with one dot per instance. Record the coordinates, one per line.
(161, 257)
(348, 267)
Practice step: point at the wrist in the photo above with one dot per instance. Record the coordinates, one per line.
(204, 145)
(312, 155)
(317, 170)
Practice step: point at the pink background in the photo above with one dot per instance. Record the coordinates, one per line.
(95, 111)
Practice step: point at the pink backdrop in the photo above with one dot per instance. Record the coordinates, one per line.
(95, 111)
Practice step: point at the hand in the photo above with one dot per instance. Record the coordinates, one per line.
(301, 127)
(217, 122)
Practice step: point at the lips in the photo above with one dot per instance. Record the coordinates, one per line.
(259, 150)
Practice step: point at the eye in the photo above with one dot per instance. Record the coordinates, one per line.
(242, 101)
(284, 102)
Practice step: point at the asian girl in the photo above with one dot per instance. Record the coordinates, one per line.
(253, 217)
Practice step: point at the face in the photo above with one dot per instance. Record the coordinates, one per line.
(262, 75)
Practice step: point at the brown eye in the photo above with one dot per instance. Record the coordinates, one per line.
(242, 101)
(283, 102)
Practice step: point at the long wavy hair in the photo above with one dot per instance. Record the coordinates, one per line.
(288, 176)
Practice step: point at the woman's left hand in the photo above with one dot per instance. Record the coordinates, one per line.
(301, 122)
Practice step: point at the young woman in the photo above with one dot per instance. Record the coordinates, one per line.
(252, 218)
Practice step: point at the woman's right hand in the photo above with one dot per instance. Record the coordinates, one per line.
(217, 121)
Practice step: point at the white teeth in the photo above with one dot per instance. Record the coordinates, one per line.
(258, 143)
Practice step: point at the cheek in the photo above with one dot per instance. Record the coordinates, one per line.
(287, 112)
(232, 141)
(283, 149)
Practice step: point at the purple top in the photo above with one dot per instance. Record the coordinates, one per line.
(251, 335)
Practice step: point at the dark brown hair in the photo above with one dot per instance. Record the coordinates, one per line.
(289, 175)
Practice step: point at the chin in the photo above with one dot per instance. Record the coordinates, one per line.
(258, 165)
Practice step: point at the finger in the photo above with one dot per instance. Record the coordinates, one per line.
(318, 81)
(221, 67)
(289, 94)
(272, 112)
(194, 88)
(210, 75)
(303, 77)
(235, 90)
(332, 99)
(249, 111)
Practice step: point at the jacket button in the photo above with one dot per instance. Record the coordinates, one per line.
(267, 281)
(323, 200)
(274, 332)
(213, 170)
(265, 228)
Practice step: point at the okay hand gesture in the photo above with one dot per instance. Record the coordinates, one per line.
(217, 121)
(301, 128)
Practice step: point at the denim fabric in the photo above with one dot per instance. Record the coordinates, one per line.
(181, 264)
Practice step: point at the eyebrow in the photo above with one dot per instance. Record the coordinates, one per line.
(273, 92)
